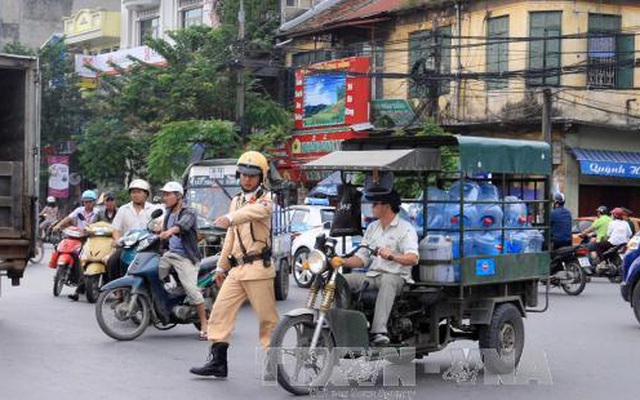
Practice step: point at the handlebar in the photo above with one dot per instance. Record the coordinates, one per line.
(372, 250)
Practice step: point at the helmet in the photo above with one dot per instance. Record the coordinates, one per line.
(617, 212)
(253, 163)
(173, 187)
(89, 195)
(140, 184)
(603, 210)
(558, 197)
(51, 199)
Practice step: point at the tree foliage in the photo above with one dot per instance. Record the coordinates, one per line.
(172, 146)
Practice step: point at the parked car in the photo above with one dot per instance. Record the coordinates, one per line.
(304, 218)
(582, 223)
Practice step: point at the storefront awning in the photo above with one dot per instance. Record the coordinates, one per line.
(621, 164)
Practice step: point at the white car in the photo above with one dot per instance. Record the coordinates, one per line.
(305, 242)
(304, 218)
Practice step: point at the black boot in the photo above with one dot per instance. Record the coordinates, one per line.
(216, 363)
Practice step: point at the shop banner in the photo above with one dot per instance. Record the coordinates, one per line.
(609, 168)
(58, 176)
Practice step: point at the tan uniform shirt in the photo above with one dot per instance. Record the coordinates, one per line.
(243, 213)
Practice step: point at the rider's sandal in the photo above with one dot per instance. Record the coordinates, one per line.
(203, 336)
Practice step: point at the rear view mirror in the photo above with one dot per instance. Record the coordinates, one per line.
(155, 214)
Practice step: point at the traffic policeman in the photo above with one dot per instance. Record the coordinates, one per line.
(244, 269)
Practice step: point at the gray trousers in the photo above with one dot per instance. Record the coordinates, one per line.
(389, 287)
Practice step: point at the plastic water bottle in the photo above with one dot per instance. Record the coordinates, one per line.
(516, 214)
(488, 244)
(488, 192)
(534, 245)
(471, 190)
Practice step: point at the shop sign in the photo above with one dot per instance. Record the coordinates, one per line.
(86, 65)
(608, 168)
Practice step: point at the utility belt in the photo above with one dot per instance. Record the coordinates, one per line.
(265, 256)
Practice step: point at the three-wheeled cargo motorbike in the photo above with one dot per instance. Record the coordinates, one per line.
(482, 227)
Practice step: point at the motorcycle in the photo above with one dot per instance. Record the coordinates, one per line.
(128, 305)
(66, 261)
(566, 269)
(94, 256)
(612, 267)
(45, 235)
(307, 342)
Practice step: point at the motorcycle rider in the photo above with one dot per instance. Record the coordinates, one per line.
(181, 230)
(626, 215)
(618, 232)
(110, 208)
(87, 210)
(134, 215)
(245, 261)
(89, 217)
(560, 223)
(397, 243)
(599, 226)
(49, 213)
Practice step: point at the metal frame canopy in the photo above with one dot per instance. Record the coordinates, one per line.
(421, 159)
(477, 154)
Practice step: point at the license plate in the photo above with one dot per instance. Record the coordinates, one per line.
(584, 261)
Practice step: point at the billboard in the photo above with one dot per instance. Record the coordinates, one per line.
(324, 100)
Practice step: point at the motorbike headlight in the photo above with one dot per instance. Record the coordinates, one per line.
(317, 261)
(145, 243)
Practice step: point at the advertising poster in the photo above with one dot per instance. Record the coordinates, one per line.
(58, 176)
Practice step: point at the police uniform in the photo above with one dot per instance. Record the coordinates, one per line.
(246, 255)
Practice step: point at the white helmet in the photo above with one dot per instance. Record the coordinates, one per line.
(51, 199)
(173, 187)
(140, 184)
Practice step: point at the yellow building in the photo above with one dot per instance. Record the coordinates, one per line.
(93, 31)
(481, 67)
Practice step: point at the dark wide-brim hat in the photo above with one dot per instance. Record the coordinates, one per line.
(392, 197)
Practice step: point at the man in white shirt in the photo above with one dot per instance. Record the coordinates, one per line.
(134, 215)
(618, 232)
(390, 270)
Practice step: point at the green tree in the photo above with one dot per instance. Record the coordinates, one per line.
(173, 144)
(18, 49)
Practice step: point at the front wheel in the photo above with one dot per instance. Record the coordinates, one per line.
(577, 279)
(502, 341)
(38, 252)
(635, 301)
(59, 279)
(121, 314)
(92, 285)
(281, 282)
(300, 370)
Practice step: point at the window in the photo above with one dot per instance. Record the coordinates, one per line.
(544, 48)
(292, 3)
(610, 54)
(149, 28)
(326, 215)
(192, 17)
(498, 51)
(310, 57)
(429, 52)
(376, 53)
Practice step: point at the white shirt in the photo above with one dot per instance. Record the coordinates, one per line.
(89, 217)
(618, 232)
(127, 218)
(399, 237)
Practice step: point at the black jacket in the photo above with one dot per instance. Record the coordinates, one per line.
(188, 223)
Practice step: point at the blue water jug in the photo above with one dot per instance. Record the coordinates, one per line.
(488, 192)
(516, 214)
(468, 244)
(488, 244)
(471, 190)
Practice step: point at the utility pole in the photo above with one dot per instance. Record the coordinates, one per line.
(546, 97)
(240, 66)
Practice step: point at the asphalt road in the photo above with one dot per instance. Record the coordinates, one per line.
(51, 348)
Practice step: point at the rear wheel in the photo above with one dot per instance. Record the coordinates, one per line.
(303, 277)
(121, 314)
(282, 280)
(502, 340)
(92, 285)
(577, 279)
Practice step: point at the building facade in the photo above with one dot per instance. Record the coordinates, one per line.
(32, 22)
(92, 31)
(154, 18)
(481, 68)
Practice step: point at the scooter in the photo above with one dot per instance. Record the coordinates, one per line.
(612, 267)
(65, 259)
(566, 271)
(94, 256)
(128, 305)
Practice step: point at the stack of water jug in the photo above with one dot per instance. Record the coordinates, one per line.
(438, 249)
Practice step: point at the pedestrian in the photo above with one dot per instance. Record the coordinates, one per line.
(180, 228)
(244, 268)
(561, 222)
(134, 215)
